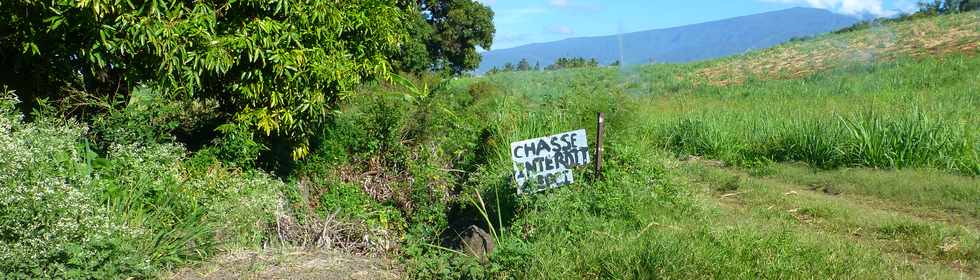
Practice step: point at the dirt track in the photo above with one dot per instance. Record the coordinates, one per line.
(290, 265)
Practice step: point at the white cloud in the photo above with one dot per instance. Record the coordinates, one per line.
(850, 7)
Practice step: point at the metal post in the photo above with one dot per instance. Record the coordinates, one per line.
(600, 133)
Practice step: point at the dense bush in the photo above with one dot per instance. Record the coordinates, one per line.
(67, 212)
(51, 222)
(183, 213)
(275, 68)
(147, 116)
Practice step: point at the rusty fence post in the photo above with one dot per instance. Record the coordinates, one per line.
(600, 133)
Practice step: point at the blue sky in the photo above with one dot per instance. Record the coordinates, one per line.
(523, 22)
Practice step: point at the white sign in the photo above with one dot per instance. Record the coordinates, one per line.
(547, 162)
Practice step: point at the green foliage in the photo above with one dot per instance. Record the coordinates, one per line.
(643, 220)
(52, 223)
(444, 35)
(69, 213)
(482, 90)
(184, 213)
(276, 68)
(417, 159)
(415, 55)
(948, 6)
(903, 114)
(410, 148)
(460, 26)
(385, 147)
(236, 145)
(575, 62)
(914, 140)
(522, 65)
(917, 187)
(146, 117)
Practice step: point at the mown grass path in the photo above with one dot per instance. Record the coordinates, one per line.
(918, 237)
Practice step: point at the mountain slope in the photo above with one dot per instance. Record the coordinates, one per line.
(681, 44)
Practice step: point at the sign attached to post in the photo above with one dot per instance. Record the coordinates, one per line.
(547, 162)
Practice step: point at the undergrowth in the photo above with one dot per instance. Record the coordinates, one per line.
(136, 210)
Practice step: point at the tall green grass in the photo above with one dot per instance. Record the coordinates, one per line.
(641, 221)
(915, 139)
(906, 113)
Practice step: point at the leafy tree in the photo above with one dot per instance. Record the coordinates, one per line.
(963, 5)
(969, 5)
(508, 67)
(523, 65)
(575, 62)
(276, 67)
(415, 56)
(948, 6)
(537, 66)
(454, 29)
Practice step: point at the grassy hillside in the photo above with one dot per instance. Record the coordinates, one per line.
(852, 168)
(904, 113)
(848, 169)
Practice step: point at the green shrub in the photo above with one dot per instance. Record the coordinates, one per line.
(51, 223)
(145, 118)
(236, 146)
(66, 213)
(185, 213)
(481, 90)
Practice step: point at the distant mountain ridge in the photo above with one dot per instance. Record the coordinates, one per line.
(681, 44)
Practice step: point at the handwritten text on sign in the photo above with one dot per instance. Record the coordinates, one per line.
(546, 162)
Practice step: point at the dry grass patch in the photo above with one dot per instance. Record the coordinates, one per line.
(290, 264)
(937, 36)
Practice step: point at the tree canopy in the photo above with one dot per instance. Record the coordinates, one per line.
(452, 32)
(523, 65)
(575, 62)
(948, 6)
(275, 67)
